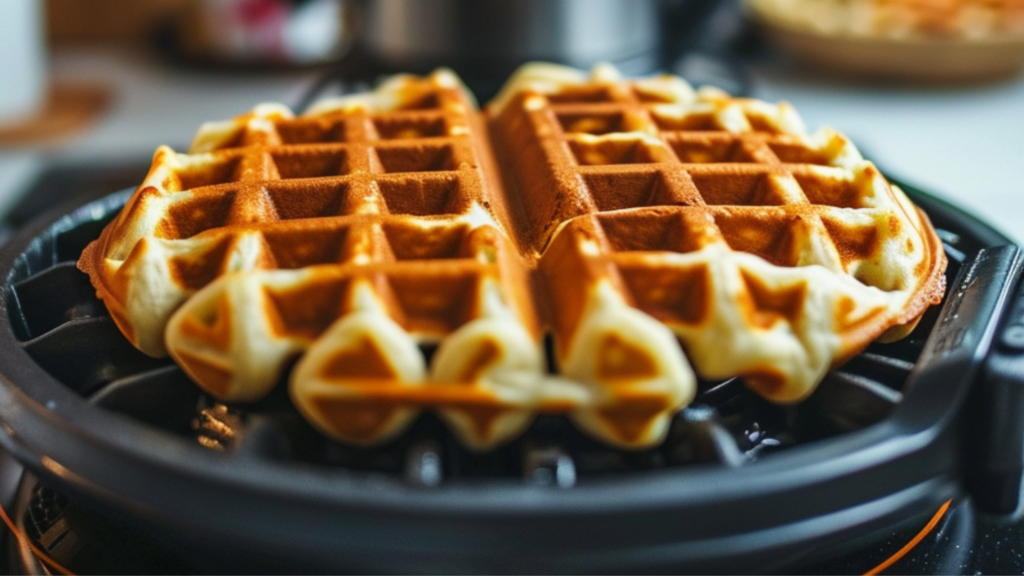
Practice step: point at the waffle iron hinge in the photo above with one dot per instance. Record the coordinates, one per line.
(995, 423)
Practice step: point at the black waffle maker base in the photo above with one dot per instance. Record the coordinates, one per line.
(122, 465)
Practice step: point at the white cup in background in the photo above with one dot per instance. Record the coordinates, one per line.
(23, 66)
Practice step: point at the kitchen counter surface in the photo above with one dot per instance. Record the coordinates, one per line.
(152, 103)
(963, 144)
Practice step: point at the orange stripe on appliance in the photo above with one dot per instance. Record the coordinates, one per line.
(913, 542)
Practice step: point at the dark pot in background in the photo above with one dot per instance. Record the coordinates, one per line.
(485, 40)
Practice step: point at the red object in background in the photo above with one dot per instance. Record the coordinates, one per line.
(259, 25)
(264, 32)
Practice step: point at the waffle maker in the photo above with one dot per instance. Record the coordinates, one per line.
(118, 444)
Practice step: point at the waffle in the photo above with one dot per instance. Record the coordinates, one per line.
(769, 253)
(399, 251)
(974, 19)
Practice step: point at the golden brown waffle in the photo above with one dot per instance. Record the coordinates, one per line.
(374, 209)
(377, 240)
(769, 253)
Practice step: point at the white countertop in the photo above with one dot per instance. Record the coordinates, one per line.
(152, 104)
(963, 144)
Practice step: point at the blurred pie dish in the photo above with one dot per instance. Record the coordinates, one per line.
(946, 40)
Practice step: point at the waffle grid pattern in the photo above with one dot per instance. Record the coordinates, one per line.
(391, 189)
(354, 213)
(375, 240)
(719, 217)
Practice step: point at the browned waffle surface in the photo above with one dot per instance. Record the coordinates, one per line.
(770, 253)
(411, 253)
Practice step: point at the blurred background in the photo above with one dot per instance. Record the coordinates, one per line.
(931, 91)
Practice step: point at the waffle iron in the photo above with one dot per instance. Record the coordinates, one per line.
(740, 485)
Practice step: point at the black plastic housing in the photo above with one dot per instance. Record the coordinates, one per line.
(997, 463)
